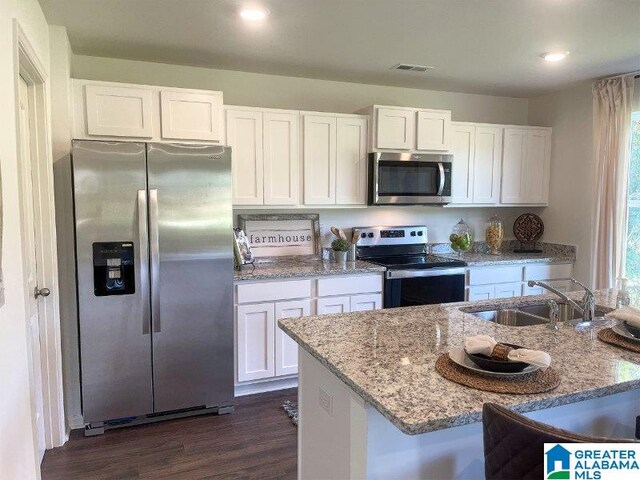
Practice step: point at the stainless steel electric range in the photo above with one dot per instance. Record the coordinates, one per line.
(413, 276)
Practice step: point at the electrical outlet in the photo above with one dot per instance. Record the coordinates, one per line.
(325, 400)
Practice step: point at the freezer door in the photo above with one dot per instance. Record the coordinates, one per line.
(113, 296)
(190, 224)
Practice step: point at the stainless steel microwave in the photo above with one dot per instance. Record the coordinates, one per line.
(409, 179)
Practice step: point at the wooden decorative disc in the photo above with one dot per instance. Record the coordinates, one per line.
(607, 335)
(528, 228)
(534, 382)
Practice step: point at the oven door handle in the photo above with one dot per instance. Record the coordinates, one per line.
(442, 179)
(428, 272)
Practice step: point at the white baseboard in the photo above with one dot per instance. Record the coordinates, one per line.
(265, 386)
(75, 421)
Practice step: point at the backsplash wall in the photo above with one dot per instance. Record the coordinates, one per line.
(439, 220)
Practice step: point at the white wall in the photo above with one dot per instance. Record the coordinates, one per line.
(18, 457)
(568, 219)
(275, 91)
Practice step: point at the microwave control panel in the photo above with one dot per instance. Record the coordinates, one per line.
(113, 269)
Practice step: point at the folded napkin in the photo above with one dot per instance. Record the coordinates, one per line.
(630, 315)
(484, 345)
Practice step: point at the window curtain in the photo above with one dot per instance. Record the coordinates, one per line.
(612, 105)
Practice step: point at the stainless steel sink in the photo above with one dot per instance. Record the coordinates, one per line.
(511, 317)
(525, 315)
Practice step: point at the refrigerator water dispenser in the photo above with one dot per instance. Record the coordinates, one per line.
(113, 268)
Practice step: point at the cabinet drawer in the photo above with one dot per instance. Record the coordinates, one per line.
(491, 275)
(548, 271)
(266, 291)
(349, 285)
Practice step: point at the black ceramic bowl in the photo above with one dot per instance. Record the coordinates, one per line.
(493, 365)
(635, 331)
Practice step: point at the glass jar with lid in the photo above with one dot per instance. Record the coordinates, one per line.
(461, 238)
(494, 235)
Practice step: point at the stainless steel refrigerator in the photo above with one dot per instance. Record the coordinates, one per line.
(154, 265)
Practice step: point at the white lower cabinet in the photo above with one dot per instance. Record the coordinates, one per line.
(507, 290)
(286, 348)
(256, 341)
(333, 305)
(264, 353)
(481, 292)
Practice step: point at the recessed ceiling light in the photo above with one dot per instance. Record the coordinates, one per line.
(254, 14)
(554, 56)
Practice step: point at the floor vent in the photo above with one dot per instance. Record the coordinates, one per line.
(407, 67)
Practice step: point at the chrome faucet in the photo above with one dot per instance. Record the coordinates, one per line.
(588, 307)
(554, 315)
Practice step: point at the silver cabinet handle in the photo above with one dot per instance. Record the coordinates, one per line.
(41, 292)
(144, 260)
(155, 259)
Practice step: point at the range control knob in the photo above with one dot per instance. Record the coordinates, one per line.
(413, 234)
(419, 233)
(370, 234)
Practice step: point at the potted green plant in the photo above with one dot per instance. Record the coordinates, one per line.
(340, 247)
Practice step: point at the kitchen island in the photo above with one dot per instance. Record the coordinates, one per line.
(373, 406)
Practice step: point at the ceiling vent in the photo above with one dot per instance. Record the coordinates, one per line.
(407, 67)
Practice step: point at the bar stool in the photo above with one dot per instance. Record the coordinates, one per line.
(514, 444)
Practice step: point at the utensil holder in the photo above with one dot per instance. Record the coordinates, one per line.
(351, 254)
(341, 257)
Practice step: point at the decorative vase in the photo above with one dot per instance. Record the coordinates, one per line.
(341, 257)
(494, 235)
(461, 237)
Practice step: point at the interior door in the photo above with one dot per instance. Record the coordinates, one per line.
(115, 341)
(33, 318)
(191, 262)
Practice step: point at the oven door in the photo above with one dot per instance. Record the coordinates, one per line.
(410, 179)
(406, 288)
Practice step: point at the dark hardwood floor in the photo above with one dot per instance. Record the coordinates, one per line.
(258, 440)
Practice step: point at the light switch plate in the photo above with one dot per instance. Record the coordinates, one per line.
(325, 400)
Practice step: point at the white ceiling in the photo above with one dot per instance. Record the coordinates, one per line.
(479, 46)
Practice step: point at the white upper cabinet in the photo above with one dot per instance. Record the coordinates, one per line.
(526, 165)
(104, 110)
(119, 111)
(281, 134)
(487, 164)
(395, 128)
(434, 130)
(462, 148)
(244, 136)
(319, 151)
(476, 153)
(351, 161)
(191, 116)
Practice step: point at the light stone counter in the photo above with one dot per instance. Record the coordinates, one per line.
(387, 358)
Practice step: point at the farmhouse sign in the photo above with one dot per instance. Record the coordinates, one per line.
(279, 235)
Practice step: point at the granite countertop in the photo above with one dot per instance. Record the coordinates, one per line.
(551, 253)
(301, 266)
(388, 356)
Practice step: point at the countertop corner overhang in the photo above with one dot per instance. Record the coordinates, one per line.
(387, 357)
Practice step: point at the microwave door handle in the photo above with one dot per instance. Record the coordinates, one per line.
(442, 179)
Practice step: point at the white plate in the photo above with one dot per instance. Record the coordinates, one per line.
(620, 329)
(458, 356)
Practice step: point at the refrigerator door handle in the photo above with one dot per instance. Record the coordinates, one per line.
(144, 260)
(155, 259)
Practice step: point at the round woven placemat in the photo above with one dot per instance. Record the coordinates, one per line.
(607, 335)
(534, 382)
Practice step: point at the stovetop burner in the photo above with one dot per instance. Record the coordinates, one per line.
(415, 261)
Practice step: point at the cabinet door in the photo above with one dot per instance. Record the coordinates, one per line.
(119, 111)
(434, 130)
(481, 292)
(281, 158)
(351, 161)
(462, 148)
(508, 290)
(363, 303)
(286, 348)
(244, 136)
(513, 166)
(395, 128)
(333, 305)
(487, 165)
(319, 153)
(191, 116)
(537, 163)
(256, 342)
